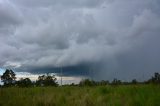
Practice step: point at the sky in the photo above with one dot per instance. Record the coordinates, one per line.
(101, 39)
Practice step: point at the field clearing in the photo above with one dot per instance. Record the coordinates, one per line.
(123, 95)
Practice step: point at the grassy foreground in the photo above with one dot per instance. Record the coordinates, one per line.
(124, 95)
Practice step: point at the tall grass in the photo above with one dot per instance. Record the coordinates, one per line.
(128, 95)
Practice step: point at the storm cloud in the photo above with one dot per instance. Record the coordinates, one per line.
(113, 38)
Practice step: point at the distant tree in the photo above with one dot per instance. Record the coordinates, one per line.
(103, 82)
(26, 82)
(50, 80)
(155, 79)
(134, 81)
(8, 77)
(40, 81)
(116, 82)
(72, 84)
(87, 82)
(46, 80)
(125, 83)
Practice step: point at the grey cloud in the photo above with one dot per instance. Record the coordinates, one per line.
(9, 14)
(62, 3)
(114, 38)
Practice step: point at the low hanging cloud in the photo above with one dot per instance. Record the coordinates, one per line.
(114, 38)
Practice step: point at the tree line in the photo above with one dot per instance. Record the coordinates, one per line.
(9, 79)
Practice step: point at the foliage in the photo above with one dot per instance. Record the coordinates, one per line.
(8, 77)
(93, 93)
(128, 95)
(87, 82)
(116, 82)
(155, 79)
(46, 80)
(134, 81)
(103, 83)
(26, 82)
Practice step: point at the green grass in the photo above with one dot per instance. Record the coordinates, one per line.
(124, 95)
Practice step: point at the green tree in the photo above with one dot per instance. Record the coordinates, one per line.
(155, 79)
(103, 82)
(26, 82)
(87, 82)
(8, 77)
(116, 82)
(46, 80)
(134, 81)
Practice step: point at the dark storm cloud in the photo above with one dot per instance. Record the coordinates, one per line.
(114, 38)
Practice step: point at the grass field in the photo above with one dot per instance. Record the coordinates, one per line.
(123, 95)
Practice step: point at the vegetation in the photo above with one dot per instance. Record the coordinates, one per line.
(45, 92)
(46, 80)
(24, 82)
(8, 77)
(155, 79)
(123, 95)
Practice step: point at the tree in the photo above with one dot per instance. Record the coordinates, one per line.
(103, 82)
(8, 77)
(24, 82)
(46, 80)
(87, 82)
(40, 81)
(116, 82)
(155, 79)
(50, 81)
(134, 81)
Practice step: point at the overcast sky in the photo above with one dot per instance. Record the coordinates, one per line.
(104, 39)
